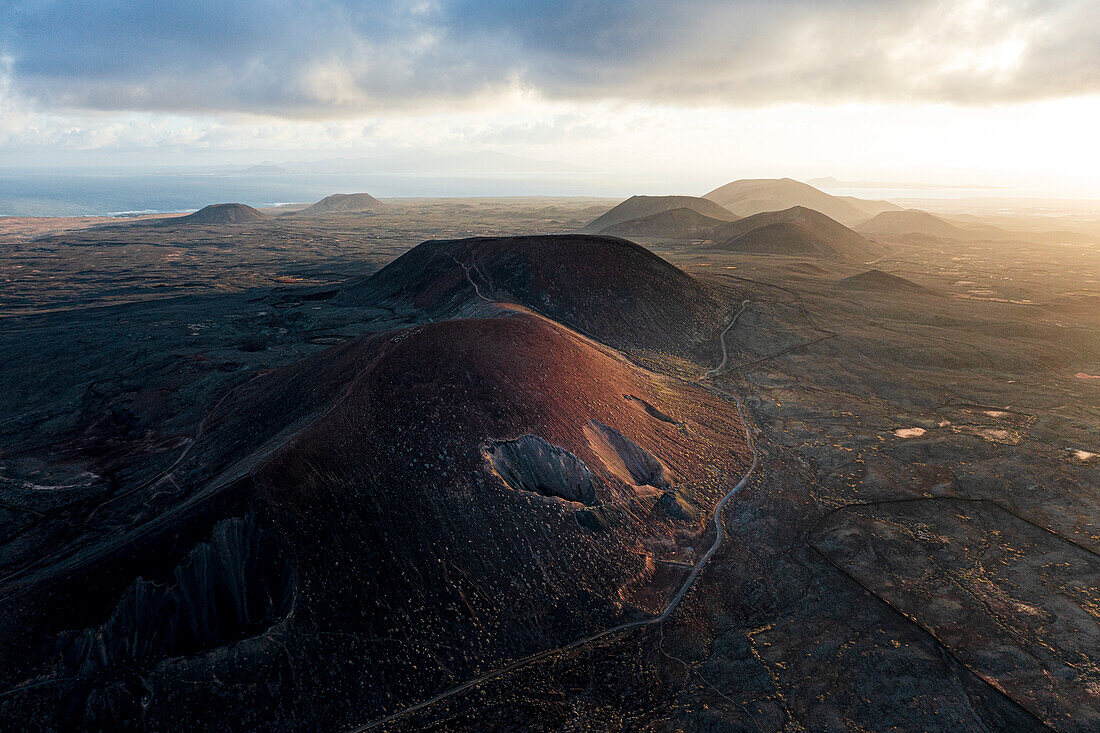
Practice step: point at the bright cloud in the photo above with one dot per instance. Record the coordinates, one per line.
(976, 90)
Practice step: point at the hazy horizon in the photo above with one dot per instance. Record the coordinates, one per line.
(97, 191)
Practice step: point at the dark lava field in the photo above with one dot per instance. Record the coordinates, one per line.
(542, 464)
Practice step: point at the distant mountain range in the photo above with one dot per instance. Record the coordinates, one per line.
(781, 217)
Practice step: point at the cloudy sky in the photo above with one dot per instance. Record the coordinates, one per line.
(961, 91)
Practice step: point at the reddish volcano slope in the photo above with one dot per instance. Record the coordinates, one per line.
(613, 290)
(421, 491)
(421, 505)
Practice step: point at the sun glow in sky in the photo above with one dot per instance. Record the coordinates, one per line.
(690, 93)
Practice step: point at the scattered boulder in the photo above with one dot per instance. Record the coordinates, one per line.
(675, 506)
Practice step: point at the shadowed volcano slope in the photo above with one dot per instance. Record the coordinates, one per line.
(220, 214)
(796, 231)
(883, 282)
(343, 203)
(448, 497)
(614, 290)
(672, 224)
(637, 207)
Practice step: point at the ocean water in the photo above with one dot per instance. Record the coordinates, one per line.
(103, 193)
(31, 193)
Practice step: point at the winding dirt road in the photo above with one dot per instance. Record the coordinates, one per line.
(722, 340)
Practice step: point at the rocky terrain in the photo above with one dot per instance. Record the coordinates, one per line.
(320, 473)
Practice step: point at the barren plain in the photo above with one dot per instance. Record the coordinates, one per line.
(244, 483)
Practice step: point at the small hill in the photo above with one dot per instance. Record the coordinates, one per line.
(1081, 304)
(609, 288)
(870, 207)
(220, 214)
(884, 282)
(796, 232)
(806, 268)
(681, 223)
(343, 203)
(909, 222)
(753, 196)
(638, 207)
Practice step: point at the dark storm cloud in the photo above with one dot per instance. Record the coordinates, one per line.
(324, 57)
